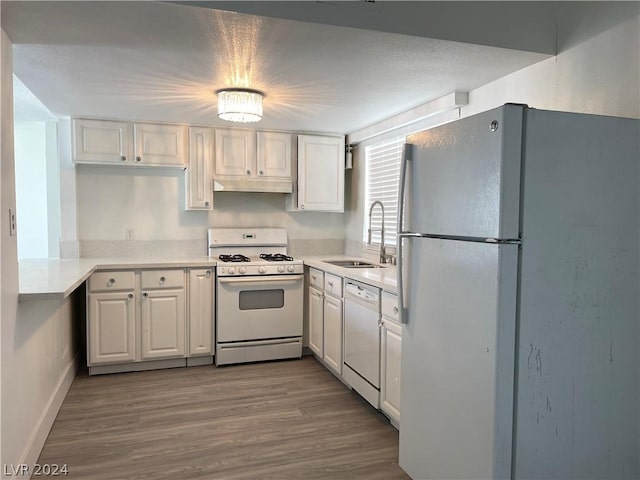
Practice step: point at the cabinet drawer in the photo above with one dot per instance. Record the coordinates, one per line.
(162, 278)
(106, 281)
(333, 285)
(316, 278)
(390, 306)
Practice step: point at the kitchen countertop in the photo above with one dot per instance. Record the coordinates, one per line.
(58, 278)
(384, 278)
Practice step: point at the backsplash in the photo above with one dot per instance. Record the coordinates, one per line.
(192, 248)
(143, 248)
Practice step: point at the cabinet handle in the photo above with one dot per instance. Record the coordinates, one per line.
(123, 158)
(313, 277)
(395, 310)
(111, 282)
(208, 273)
(206, 204)
(261, 172)
(130, 296)
(330, 284)
(162, 279)
(145, 295)
(379, 323)
(301, 207)
(248, 172)
(138, 159)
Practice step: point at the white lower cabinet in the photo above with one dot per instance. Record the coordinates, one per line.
(112, 327)
(390, 358)
(333, 333)
(163, 324)
(316, 328)
(390, 369)
(141, 316)
(201, 288)
(325, 318)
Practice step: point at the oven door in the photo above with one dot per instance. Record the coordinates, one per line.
(257, 308)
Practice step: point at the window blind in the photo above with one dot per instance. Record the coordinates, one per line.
(382, 177)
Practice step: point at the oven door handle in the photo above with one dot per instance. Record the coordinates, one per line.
(262, 280)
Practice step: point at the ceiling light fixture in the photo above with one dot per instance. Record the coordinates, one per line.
(240, 105)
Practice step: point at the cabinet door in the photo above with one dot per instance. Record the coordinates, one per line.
(316, 329)
(235, 152)
(201, 312)
(163, 324)
(198, 175)
(333, 333)
(112, 322)
(320, 173)
(274, 154)
(161, 145)
(102, 141)
(390, 369)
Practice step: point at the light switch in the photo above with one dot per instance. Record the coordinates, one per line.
(12, 222)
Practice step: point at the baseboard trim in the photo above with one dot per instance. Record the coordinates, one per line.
(45, 422)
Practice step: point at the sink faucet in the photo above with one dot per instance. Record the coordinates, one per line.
(383, 254)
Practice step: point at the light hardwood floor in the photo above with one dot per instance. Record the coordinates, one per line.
(275, 420)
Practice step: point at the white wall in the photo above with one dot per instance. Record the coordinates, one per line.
(111, 200)
(8, 244)
(31, 189)
(597, 72)
(38, 346)
(600, 75)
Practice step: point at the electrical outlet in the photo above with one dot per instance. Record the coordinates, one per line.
(129, 234)
(12, 223)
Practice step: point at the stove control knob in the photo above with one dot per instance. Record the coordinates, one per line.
(242, 270)
(262, 269)
(280, 268)
(291, 268)
(231, 270)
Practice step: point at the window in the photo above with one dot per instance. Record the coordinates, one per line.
(382, 177)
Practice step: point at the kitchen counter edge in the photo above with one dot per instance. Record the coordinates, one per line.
(384, 278)
(41, 279)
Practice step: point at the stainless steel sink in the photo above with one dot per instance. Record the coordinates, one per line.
(353, 264)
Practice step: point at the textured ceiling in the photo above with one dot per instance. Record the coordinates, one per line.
(163, 62)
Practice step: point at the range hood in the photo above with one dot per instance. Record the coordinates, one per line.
(253, 184)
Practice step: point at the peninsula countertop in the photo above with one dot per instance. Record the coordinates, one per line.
(47, 278)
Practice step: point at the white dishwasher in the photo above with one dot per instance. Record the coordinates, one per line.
(362, 340)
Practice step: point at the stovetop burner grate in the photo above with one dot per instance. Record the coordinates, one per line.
(234, 258)
(276, 257)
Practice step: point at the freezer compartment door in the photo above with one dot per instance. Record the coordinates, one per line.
(463, 178)
(458, 350)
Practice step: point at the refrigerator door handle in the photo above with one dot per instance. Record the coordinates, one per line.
(402, 309)
(406, 150)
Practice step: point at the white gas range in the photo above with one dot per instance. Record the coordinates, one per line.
(259, 295)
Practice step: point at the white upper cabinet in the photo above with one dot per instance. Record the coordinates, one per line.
(320, 174)
(101, 141)
(235, 152)
(274, 154)
(198, 179)
(250, 161)
(111, 142)
(161, 145)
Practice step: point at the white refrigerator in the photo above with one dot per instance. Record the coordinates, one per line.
(518, 280)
